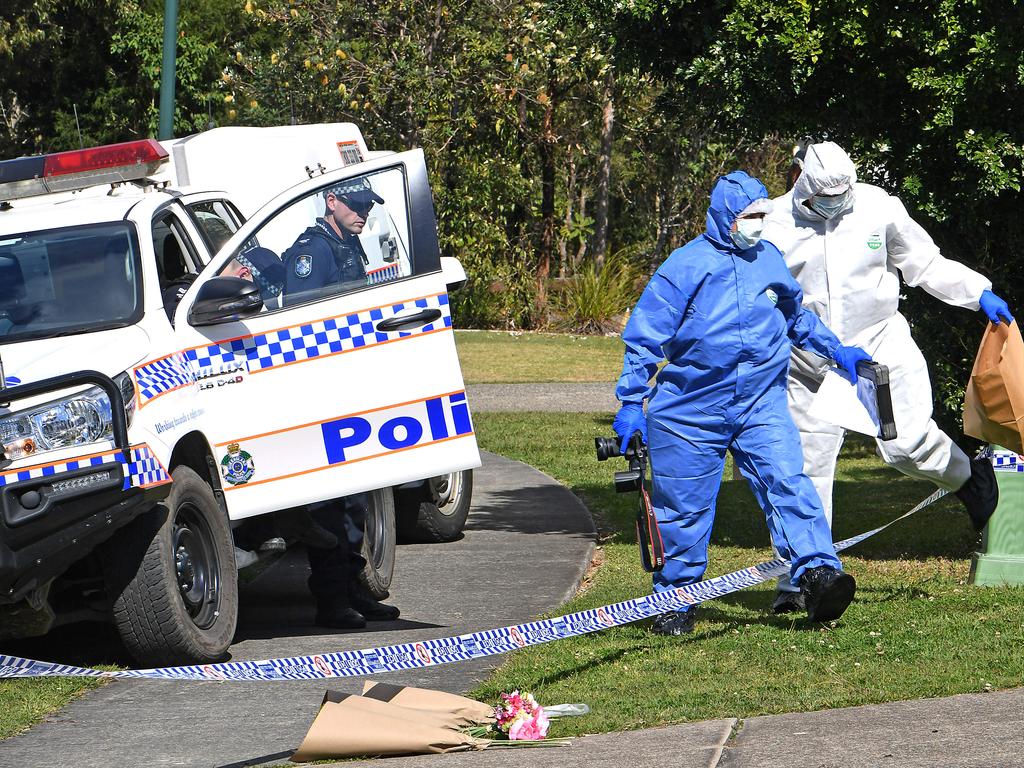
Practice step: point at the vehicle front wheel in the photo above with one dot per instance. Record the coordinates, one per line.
(177, 602)
(379, 542)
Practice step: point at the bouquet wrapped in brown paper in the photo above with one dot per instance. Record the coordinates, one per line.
(458, 711)
(994, 402)
(356, 726)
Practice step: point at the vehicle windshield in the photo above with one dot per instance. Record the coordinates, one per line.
(57, 282)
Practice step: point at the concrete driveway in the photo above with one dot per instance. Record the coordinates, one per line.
(519, 515)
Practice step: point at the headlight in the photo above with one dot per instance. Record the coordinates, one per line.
(73, 420)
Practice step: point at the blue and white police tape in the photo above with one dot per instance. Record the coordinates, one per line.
(446, 650)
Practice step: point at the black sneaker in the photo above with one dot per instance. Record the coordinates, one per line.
(339, 617)
(374, 610)
(675, 623)
(827, 592)
(980, 494)
(788, 602)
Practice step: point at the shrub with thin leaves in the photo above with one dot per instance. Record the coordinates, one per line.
(597, 299)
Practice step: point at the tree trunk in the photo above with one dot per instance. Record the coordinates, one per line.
(570, 194)
(547, 204)
(604, 175)
(582, 249)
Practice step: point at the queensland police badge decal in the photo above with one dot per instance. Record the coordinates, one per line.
(238, 466)
(303, 265)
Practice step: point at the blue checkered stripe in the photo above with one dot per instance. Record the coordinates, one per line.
(160, 376)
(144, 469)
(288, 345)
(1007, 461)
(318, 339)
(48, 470)
(446, 650)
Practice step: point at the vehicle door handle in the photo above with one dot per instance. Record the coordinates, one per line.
(401, 322)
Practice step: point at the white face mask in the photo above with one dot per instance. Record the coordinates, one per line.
(748, 232)
(828, 207)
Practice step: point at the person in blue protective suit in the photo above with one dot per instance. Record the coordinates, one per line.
(723, 311)
(329, 254)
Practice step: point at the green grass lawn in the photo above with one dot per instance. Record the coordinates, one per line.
(500, 357)
(916, 629)
(24, 703)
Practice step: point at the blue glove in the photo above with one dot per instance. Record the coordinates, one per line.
(994, 308)
(847, 358)
(630, 418)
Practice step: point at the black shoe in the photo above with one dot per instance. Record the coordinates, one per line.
(374, 610)
(339, 617)
(827, 592)
(980, 494)
(675, 623)
(299, 525)
(788, 602)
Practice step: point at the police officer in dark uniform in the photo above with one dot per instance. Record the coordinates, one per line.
(327, 258)
(328, 255)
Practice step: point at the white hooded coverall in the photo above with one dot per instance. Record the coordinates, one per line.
(849, 268)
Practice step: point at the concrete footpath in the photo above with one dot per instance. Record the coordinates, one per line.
(560, 398)
(970, 731)
(519, 515)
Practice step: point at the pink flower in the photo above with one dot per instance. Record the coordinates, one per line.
(531, 728)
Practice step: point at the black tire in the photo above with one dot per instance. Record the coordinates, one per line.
(173, 582)
(379, 542)
(442, 515)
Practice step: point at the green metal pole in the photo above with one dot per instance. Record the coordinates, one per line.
(167, 71)
(1001, 559)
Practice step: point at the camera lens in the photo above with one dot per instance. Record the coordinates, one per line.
(606, 447)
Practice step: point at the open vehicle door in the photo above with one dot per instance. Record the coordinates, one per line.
(311, 389)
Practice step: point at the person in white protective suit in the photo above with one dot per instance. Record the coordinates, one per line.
(847, 244)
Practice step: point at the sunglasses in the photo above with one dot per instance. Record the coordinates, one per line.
(362, 208)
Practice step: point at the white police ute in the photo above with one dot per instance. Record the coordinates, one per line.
(163, 377)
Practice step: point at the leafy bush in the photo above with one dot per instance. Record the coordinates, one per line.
(597, 299)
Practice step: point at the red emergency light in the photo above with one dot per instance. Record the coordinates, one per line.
(127, 153)
(80, 168)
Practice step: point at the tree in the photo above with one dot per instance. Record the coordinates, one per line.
(88, 71)
(925, 96)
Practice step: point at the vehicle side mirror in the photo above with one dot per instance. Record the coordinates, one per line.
(453, 273)
(223, 299)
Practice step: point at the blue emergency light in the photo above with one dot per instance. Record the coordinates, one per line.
(80, 168)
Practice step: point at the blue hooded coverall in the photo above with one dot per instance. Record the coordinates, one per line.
(724, 319)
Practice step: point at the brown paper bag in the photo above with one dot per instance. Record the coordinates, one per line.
(354, 726)
(422, 716)
(464, 711)
(994, 402)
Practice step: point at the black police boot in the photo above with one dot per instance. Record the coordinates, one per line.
(827, 592)
(371, 608)
(338, 615)
(788, 602)
(675, 623)
(980, 494)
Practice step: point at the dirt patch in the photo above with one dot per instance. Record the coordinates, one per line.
(596, 561)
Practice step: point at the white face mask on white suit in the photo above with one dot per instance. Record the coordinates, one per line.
(830, 206)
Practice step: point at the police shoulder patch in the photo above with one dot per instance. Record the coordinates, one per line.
(303, 265)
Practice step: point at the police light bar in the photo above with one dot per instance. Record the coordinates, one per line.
(80, 168)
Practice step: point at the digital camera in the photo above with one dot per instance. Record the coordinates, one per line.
(636, 455)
